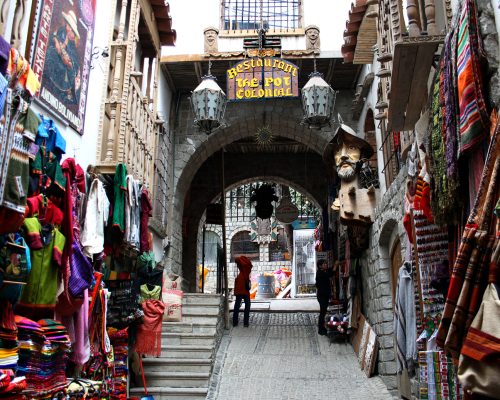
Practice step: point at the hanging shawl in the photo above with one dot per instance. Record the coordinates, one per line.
(149, 333)
(470, 272)
(474, 120)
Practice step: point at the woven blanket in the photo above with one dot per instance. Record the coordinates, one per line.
(474, 121)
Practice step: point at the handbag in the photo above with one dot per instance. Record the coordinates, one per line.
(81, 271)
(479, 363)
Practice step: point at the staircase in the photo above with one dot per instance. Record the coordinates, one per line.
(188, 351)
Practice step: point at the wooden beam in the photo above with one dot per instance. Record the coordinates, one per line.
(197, 70)
(148, 17)
(168, 77)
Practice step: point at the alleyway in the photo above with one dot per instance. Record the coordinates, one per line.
(281, 356)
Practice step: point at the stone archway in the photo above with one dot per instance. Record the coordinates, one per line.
(196, 152)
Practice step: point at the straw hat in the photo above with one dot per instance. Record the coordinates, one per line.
(70, 18)
(345, 134)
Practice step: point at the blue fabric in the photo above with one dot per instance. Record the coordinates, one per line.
(4, 55)
(49, 135)
(3, 92)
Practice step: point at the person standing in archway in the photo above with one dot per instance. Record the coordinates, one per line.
(242, 289)
(323, 292)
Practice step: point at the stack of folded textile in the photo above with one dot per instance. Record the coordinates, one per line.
(8, 338)
(11, 387)
(43, 355)
(119, 341)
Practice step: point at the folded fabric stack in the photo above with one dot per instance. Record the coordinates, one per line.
(43, 355)
(119, 341)
(8, 338)
(11, 387)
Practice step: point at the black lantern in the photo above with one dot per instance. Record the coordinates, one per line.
(264, 195)
(209, 104)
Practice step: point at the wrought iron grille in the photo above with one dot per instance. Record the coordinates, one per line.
(281, 15)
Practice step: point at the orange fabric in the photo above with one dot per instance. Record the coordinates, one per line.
(245, 267)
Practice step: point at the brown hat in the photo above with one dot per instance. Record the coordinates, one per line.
(347, 135)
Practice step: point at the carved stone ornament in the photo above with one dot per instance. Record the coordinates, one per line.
(312, 37)
(211, 38)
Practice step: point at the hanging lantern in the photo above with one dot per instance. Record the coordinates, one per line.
(209, 104)
(264, 196)
(318, 100)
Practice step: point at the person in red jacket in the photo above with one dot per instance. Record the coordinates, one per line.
(242, 289)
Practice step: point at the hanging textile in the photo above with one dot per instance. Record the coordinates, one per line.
(149, 332)
(470, 272)
(96, 217)
(146, 209)
(120, 191)
(474, 117)
(405, 328)
(443, 140)
(132, 212)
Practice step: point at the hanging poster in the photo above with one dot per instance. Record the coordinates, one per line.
(62, 56)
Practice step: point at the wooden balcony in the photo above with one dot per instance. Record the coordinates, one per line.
(408, 42)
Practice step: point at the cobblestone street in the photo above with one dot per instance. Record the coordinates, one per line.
(281, 356)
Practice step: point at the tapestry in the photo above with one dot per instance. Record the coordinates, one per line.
(62, 56)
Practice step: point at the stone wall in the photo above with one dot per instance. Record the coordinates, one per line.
(376, 275)
(191, 150)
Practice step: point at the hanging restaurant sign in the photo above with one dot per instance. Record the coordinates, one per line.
(262, 78)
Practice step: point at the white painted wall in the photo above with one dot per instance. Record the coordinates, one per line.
(84, 146)
(329, 16)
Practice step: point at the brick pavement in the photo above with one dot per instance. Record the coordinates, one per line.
(281, 357)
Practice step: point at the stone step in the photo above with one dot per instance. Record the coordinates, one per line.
(165, 364)
(199, 317)
(167, 393)
(203, 339)
(200, 298)
(189, 327)
(200, 308)
(178, 379)
(187, 351)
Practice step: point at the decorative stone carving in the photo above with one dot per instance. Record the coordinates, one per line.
(355, 204)
(211, 36)
(312, 37)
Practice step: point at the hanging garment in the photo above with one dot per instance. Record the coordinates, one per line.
(4, 55)
(49, 136)
(96, 217)
(120, 192)
(474, 119)
(39, 295)
(46, 174)
(470, 272)
(146, 209)
(405, 328)
(132, 212)
(149, 333)
(147, 293)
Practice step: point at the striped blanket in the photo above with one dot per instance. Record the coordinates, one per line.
(474, 120)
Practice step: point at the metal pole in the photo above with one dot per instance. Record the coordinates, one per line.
(203, 261)
(224, 247)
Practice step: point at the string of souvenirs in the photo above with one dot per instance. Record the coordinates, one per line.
(78, 279)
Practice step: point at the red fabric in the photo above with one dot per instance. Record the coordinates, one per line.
(240, 283)
(146, 209)
(47, 214)
(73, 173)
(149, 333)
(10, 220)
(408, 228)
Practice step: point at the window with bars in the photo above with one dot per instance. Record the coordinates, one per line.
(242, 245)
(240, 208)
(278, 250)
(160, 191)
(277, 15)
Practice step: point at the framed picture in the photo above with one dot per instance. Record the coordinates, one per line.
(62, 56)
